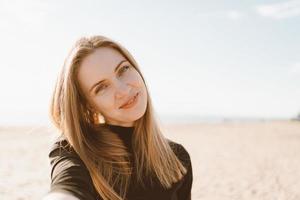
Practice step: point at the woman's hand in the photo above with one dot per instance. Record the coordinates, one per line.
(59, 196)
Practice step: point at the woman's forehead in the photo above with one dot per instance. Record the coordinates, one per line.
(98, 65)
(103, 56)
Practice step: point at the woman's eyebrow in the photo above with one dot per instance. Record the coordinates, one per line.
(99, 82)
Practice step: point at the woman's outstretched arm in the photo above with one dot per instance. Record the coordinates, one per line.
(59, 196)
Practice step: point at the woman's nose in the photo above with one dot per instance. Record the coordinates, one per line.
(122, 89)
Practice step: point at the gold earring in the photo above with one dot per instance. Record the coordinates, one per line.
(97, 117)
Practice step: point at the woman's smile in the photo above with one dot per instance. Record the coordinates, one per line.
(132, 102)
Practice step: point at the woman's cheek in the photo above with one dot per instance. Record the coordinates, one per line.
(135, 78)
(100, 102)
(107, 100)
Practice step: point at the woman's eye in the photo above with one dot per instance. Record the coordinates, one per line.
(125, 68)
(100, 88)
(122, 70)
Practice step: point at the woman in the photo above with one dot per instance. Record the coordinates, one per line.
(110, 145)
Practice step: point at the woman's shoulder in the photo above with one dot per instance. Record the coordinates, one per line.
(61, 147)
(60, 142)
(181, 152)
(68, 172)
(62, 156)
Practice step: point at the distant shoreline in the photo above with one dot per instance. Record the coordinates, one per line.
(216, 119)
(169, 121)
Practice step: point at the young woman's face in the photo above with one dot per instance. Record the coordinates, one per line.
(109, 81)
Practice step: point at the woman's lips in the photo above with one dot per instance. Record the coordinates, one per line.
(132, 102)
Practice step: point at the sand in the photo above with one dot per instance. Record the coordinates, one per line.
(245, 160)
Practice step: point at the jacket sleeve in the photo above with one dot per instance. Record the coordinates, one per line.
(69, 174)
(185, 190)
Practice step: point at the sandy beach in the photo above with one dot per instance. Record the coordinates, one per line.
(231, 160)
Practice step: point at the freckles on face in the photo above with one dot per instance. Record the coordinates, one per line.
(107, 80)
(104, 102)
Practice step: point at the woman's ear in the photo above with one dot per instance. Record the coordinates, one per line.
(98, 118)
(90, 108)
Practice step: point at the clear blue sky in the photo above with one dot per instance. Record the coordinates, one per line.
(206, 58)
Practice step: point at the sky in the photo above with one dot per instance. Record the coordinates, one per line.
(225, 59)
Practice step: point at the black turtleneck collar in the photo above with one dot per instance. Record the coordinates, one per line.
(124, 133)
(121, 129)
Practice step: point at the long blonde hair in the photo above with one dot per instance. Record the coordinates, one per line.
(100, 149)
